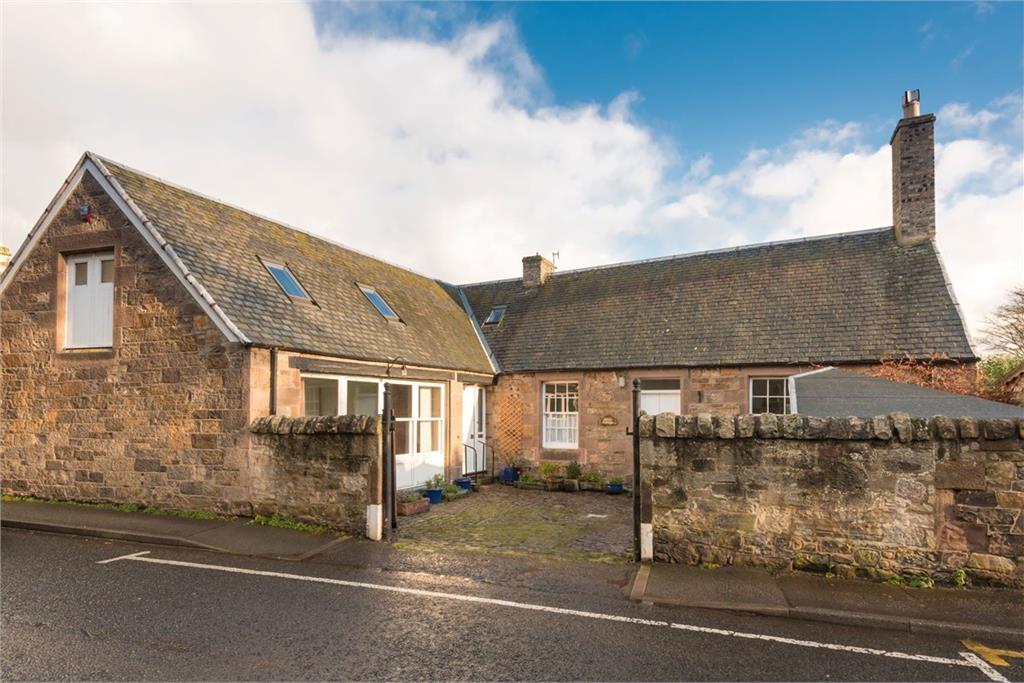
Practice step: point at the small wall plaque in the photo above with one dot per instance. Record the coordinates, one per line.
(609, 421)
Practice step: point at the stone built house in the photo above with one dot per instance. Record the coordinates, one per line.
(144, 326)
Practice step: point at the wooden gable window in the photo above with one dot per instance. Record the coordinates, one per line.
(89, 318)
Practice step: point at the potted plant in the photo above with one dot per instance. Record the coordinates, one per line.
(573, 471)
(549, 471)
(464, 483)
(592, 480)
(510, 472)
(412, 503)
(615, 485)
(435, 488)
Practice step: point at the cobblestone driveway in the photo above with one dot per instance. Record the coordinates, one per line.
(506, 520)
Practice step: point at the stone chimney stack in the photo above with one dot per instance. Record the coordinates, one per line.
(913, 173)
(5, 258)
(536, 270)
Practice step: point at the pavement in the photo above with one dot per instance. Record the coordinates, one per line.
(81, 608)
(429, 548)
(233, 536)
(957, 612)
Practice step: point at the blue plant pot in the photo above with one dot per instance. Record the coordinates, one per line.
(508, 474)
(435, 495)
(464, 483)
(614, 488)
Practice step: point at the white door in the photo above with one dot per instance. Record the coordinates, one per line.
(474, 430)
(90, 301)
(419, 432)
(654, 402)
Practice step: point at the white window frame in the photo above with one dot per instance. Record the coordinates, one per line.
(562, 414)
(94, 261)
(787, 395)
(343, 380)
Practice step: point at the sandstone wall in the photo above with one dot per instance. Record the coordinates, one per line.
(158, 418)
(873, 498)
(324, 470)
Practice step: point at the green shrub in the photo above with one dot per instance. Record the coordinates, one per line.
(959, 578)
(280, 522)
(593, 476)
(573, 470)
(920, 581)
(410, 496)
(436, 482)
(549, 470)
(616, 480)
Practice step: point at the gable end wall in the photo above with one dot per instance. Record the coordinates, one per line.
(158, 419)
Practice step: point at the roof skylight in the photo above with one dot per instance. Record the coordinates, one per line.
(495, 316)
(378, 302)
(286, 280)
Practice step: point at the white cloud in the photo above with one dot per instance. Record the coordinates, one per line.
(444, 155)
(959, 116)
(434, 154)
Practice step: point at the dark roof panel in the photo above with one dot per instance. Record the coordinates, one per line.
(833, 392)
(843, 298)
(222, 246)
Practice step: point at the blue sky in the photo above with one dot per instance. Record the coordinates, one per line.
(457, 138)
(726, 78)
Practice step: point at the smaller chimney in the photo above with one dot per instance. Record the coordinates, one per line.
(5, 258)
(913, 173)
(536, 270)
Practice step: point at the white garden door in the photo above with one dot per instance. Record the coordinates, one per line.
(419, 432)
(474, 430)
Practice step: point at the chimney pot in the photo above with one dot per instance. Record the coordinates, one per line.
(913, 173)
(911, 103)
(536, 270)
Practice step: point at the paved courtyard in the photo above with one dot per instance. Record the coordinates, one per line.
(503, 519)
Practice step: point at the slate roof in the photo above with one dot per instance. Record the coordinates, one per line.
(220, 245)
(837, 299)
(834, 392)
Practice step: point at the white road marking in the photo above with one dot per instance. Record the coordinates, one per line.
(985, 667)
(124, 557)
(969, 659)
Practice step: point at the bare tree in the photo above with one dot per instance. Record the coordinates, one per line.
(1004, 332)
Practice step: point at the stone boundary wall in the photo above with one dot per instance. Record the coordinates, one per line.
(875, 498)
(324, 470)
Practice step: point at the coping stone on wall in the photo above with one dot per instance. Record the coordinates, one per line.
(883, 427)
(329, 424)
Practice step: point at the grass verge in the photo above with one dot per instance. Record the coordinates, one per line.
(280, 522)
(119, 507)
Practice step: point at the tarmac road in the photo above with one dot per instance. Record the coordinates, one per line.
(174, 614)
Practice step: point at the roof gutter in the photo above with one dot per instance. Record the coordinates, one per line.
(168, 249)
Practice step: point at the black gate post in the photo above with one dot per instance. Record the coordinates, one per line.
(388, 465)
(636, 470)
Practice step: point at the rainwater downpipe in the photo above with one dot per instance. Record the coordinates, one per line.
(273, 381)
